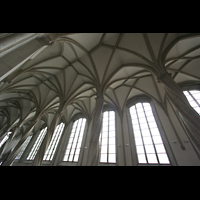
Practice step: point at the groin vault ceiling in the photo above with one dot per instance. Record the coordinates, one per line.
(77, 67)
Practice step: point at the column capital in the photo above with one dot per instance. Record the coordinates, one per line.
(161, 76)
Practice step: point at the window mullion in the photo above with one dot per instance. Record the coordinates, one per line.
(150, 134)
(72, 140)
(81, 122)
(56, 138)
(108, 135)
(193, 98)
(141, 134)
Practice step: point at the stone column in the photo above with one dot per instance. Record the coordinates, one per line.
(50, 130)
(16, 149)
(189, 116)
(95, 132)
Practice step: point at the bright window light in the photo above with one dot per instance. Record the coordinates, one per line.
(5, 139)
(107, 138)
(74, 145)
(37, 144)
(149, 144)
(23, 147)
(193, 96)
(48, 156)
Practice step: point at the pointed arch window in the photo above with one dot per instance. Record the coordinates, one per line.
(149, 145)
(37, 144)
(48, 156)
(74, 145)
(107, 139)
(5, 139)
(193, 96)
(24, 147)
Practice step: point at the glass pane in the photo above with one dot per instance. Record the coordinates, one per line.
(69, 146)
(77, 151)
(193, 103)
(152, 124)
(72, 151)
(137, 134)
(152, 158)
(111, 149)
(194, 92)
(74, 145)
(111, 128)
(112, 117)
(70, 158)
(196, 96)
(105, 114)
(157, 139)
(155, 131)
(105, 134)
(141, 158)
(80, 139)
(65, 158)
(111, 140)
(138, 105)
(197, 109)
(149, 149)
(148, 113)
(145, 132)
(105, 123)
(139, 110)
(111, 158)
(78, 145)
(111, 133)
(104, 149)
(67, 152)
(104, 141)
(140, 149)
(70, 140)
(150, 118)
(105, 129)
(135, 122)
(160, 148)
(144, 126)
(136, 127)
(163, 159)
(103, 158)
(134, 116)
(105, 119)
(142, 120)
(138, 141)
(147, 140)
(76, 157)
(141, 114)
(189, 98)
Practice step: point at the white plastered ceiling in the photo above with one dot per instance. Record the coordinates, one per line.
(78, 65)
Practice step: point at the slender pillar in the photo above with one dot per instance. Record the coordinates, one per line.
(189, 116)
(19, 146)
(95, 132)
(51, 127)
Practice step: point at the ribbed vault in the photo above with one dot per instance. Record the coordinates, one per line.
(77, 67)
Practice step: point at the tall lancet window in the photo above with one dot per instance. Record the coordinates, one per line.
(37, 144)
(107, 138)
(74, 145)
(48, 156)
(193, 96)
(24, 147)
(149, 144)
(5, 139)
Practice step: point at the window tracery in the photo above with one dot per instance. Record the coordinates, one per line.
(74, 145)
(149, 145)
